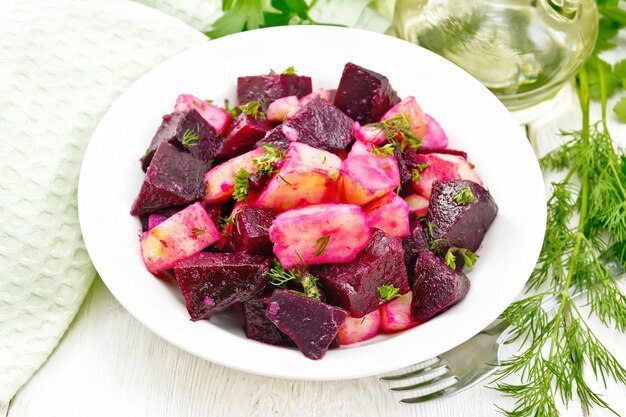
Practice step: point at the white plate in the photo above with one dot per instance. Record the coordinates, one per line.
(473, 118)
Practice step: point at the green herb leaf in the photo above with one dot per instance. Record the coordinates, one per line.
(289, 71)
(415, 175)
(252, 109)
(242, 186)
(241, 15)
(198, 232)
(334, 175)
(620, 109)
(388, 292)
(190, 138)
(398, 129)
(469, 257)
(383, 151)
(321, 244)
(280, 277)
(465, 196)
(450, 259)
(430, 229)
(266, 164)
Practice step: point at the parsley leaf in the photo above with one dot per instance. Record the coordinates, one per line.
(620, 109)
(465, 196)
(252, 109)
(242, 186)
(388, 292)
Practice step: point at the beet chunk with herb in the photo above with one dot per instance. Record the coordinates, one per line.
(244, 133)
(189, 131)
(321, 125)
(258, 327)
(436, 288)
(276, 138)
(174, 178)
(250, 232)
(212, 282)
(354, 285)
(460, 212)
(364, 95)
(270, 87)
(312, 324)
(413, 244)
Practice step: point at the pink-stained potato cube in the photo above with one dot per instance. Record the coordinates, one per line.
(220, 180)
(411, 111)
(178, 237)
(318, 234)
(442, 167)
(217, 117)
(365, 177)
(417, 204)
(282, 108)
(368, 134)
(307, 176)
(395, 315)
(390, 213)
(435, 138)
(321, 93)
(354, 330)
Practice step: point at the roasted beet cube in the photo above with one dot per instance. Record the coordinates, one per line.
(436, 287)
(312, 324)
(189, 131)
(174, 178)
(364, 95)
(267, 88)
(460, 212)
(354, 285)
(258, 327)
(321, 125)
(244, 133)
(214, 211)
(275, 137)
(250, 232)
(404, 168)
(413, 244)
(212, 282)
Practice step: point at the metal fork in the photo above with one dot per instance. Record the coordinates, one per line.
(473, 361)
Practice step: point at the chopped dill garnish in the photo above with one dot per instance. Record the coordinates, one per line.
(190, 138)
(383, 151)
(321, 244)
(242, 186)
(266, 164)
(398, 130)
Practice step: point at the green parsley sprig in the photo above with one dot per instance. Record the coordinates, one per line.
(388, 292)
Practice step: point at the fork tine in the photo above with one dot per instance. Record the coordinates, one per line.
(427, 384)
(452, 389)
(418, 372)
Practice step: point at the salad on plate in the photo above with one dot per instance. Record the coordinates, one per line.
(322, 217)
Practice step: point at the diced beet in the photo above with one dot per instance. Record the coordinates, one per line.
(154, 220)
(214, 211)
(405, 166)
(258, 327)
(244, 133)
(354, 285)
(413, 244)
(276, 138)
(258, 180)
(364, 95)
(267, 88)
(250, 232)
(212, 282)
(460, 225)
(174, 178)
(173, 129)
(427, 150)
(436, 288)
(321, 125)
(312, 324)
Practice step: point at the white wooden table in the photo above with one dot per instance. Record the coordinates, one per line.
(110, 365)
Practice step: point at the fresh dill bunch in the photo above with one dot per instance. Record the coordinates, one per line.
(266, 164)
(556, 349)
(398, 130)
(242, 186)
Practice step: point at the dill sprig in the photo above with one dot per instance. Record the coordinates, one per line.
(242, 186)
(556, 349)
(190, 138)
(266, 164)
(398, 131)
(383, 151)
(321, 244)
(280, 277)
